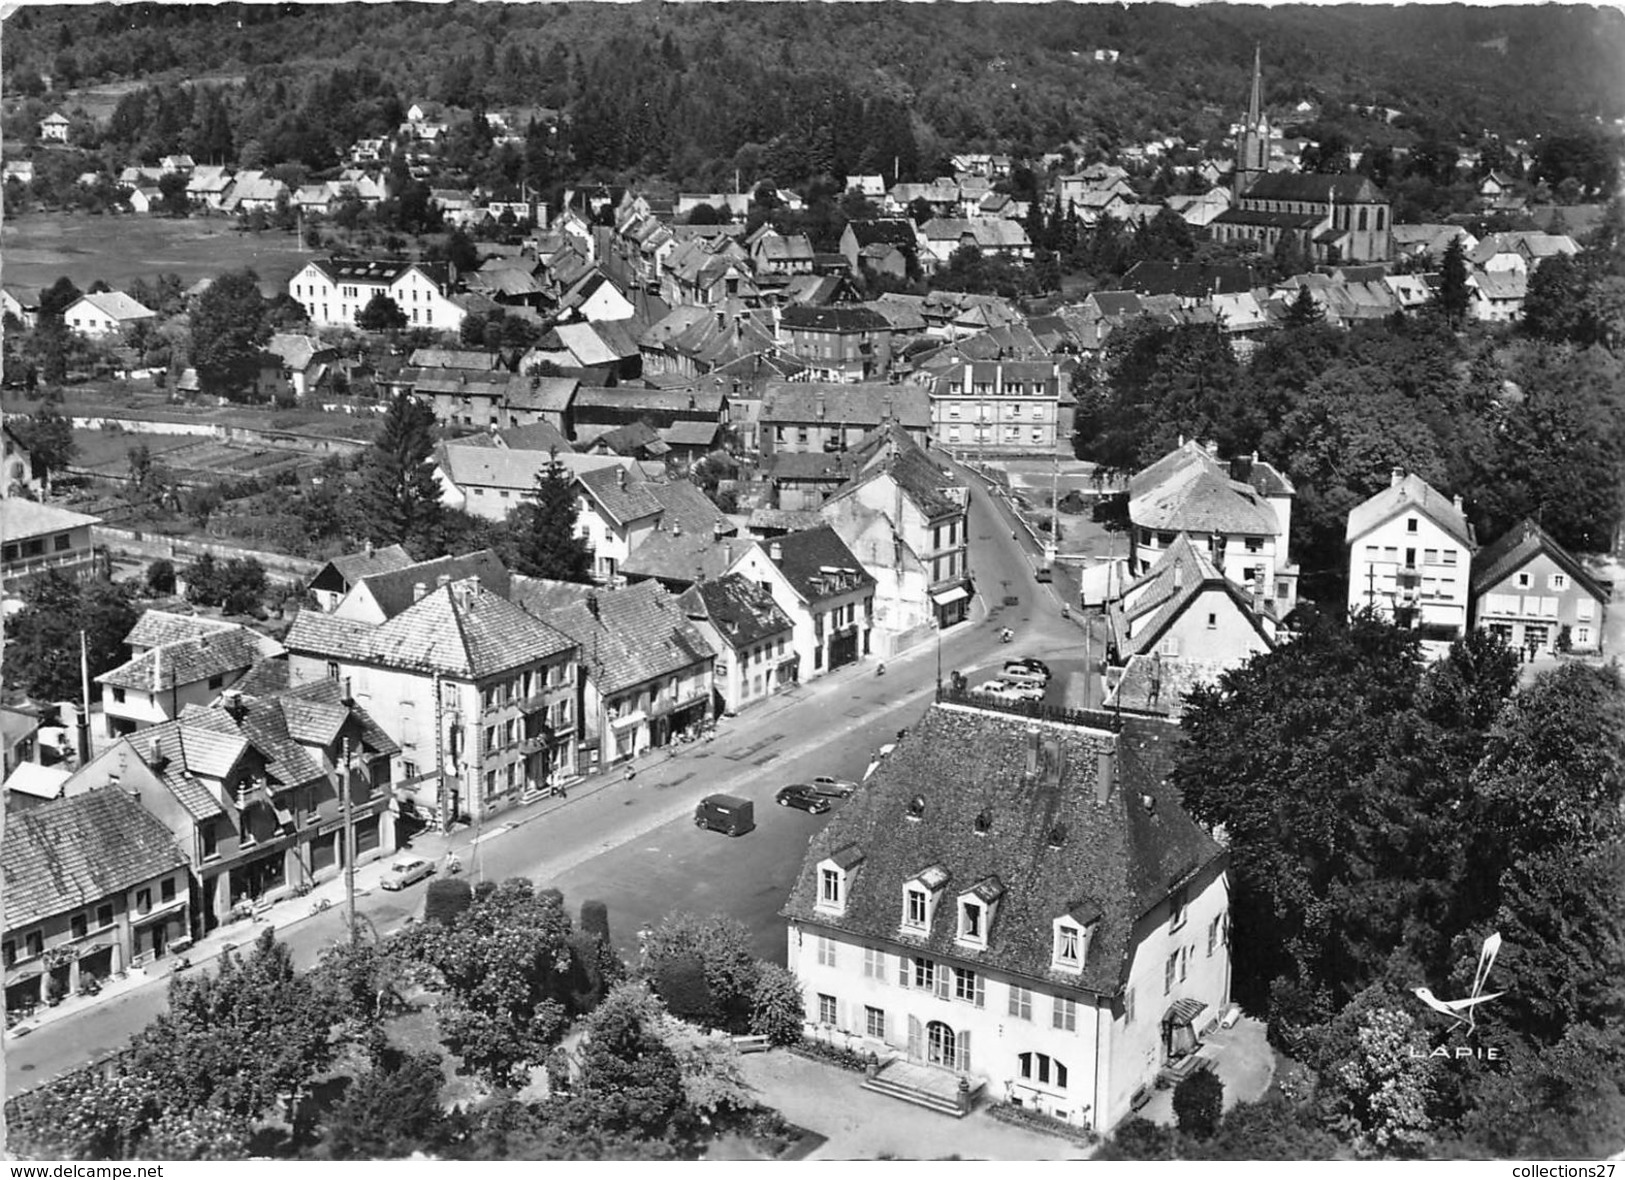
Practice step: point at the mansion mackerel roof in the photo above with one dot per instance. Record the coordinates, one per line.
(1049, 840)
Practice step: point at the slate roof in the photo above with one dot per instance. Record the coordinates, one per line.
(895, 231)
(1151, 604)
(352, 567)
(70, 853)
(740, 609)
(1345, 187)
(542, 394)
(827, 466)
(804, 556)
(1189, 490)
(1116, 860)
(630, 399)
(188, 661)
(1516, 548)
(866, 404)
(782, 520)
(462, 629)
(538, 436)
(846, 317)
(914, 471)
(189, 751)
(26, 518)
(1173, 678)
(632, 635)
(1412, 491)
(1190, 282)
(471, 465)
(393, 590)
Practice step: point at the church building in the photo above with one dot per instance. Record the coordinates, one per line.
(1332, 217)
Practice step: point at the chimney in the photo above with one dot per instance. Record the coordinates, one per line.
(1031, 737)
(727, 553)
(1213, 449)
(1179, 575)
(157, 668)
(620, 478)
(155, 754)
(775, 552)
(1105, 773)
(349, 695)
(418, 591)
(676, 528)
(1149, 802)
(1396, 477)
(442, 580)
(367, 548)
(234, 705)
(1456, 500)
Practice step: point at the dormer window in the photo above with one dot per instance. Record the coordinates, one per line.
(970, 922)
(916, 909)
(835, 879)
(829, 889)
(1070, 937)
(976, 911)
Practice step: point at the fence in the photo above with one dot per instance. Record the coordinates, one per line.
(130, 544)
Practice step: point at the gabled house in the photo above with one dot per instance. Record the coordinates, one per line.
(36, 537)
(1016, 906)
(1238, 512)
(490, 482)
(54, 127)
(251, 791)
(335, 579)
(646, 671)
(683, 547)
(104, 313)
(1006, 406)
(824, 589)
(177, 660)
(208, 185)
(307, 362)
(17, 473)
(896, 232)
(1410, 557)
(844, 343)
(751, 636)
(333, 290)
(94, 885)
(615, 512)
(479, 695)
(1531, 592)
(1497, 296)
(925, 505)
(181, 164)
(382, 595)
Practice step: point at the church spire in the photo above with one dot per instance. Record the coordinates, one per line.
(1254, 105)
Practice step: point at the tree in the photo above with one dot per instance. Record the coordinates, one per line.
(161, 576)
(777, 1009)
(721, 946)
(382, 314)
(48, 435)
(1453, 297)
(1199, 1103)
(1303, 312)
(238, 1039)
(399, 494)
(1554, 305)
(389, 1111)
(1137, 1138)
(546, 544)
(44, 635)
(445, 899)
(1380, 1095)
(57, 298)
(229, 333)
(629, 1076)
(172, 194)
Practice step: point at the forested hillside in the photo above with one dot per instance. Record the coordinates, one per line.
(694, 91)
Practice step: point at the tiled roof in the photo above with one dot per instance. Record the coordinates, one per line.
(1192, 282)
(117, 305)
(782, 520)
(1114, 860)
(1513, 549)
(72, 852)
(155, 627)
(829, 466)
(631, 635)
(352, 567)
(805, 556)
(266, 678)
(1159, 684)
(1151, 604)
(538, 436)
(630, 399)
(26, 518)
(542, 394)
(895, 231)
(394, 590)
(866, 405)
(1344, 187)
(1411, 491)
(620, 493)
(470, 466)
(188, 661)
(189, 751)
(837, 318)
(328, 693)
(740, 609)
(463, 629)
(1189, 490)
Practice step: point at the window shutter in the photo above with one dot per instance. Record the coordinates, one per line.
(915, 1036)
(981, 990)
(964, 1052)
(840, 1013)
(944, 985)
(1548, 607)
(902, 970)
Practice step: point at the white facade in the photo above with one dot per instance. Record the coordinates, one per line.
(1408, 568)
(993, 1025)
(333, 300)
(817, 625)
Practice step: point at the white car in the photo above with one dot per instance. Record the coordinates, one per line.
(1023, 675)
(407, 872)
(1003, 690)
(832, 788)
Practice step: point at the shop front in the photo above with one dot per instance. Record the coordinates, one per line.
(253, 879)
(951, 604)
(843, 647)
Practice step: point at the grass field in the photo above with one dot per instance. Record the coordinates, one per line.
(40, 247)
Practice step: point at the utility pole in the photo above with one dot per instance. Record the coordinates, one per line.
(349, 841)
(84, 701)
(442, 804)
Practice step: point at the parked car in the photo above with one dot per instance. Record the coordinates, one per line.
(1030, 663)
(1003, 690)
(832, 788)
(1044, 574)
(407, 872)
(1016, 672)
(802, 796)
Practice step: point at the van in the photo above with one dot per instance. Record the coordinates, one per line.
(728, 814)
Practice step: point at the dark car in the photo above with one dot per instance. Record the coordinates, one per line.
(1030, 664)
(802, 796)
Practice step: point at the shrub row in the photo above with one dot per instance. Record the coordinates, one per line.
(1023, 1116)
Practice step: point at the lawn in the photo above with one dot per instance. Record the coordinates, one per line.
(41, 247)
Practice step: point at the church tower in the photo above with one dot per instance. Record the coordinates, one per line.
(1253, 144)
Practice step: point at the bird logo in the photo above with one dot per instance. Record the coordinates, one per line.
(1465, 1011)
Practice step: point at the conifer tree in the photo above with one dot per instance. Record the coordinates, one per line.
(1453, 296)
(400, 494)
(545, 540)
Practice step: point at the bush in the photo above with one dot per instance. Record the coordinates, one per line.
(1138, 1138)
(1199, 1103)
(445, 900)
(161, 577)
(680, 982)
(777, 1009)
(849, 1059)
(595, 919)
(1048, 1124)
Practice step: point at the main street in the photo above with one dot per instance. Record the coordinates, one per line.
(632, 843)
